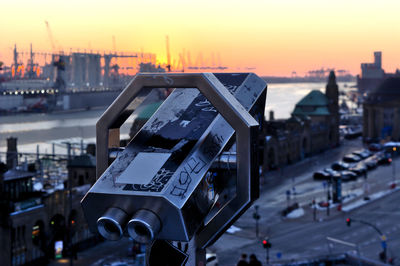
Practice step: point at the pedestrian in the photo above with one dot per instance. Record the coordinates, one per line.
(243, 260)
(135, 250)
(254, 261)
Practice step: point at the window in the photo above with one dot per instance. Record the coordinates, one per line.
(388, 117)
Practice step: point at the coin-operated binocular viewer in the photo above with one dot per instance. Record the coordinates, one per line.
(166, 184)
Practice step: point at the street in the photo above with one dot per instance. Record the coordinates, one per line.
(302, 237)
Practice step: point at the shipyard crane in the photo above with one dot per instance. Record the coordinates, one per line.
(168, 54)
(189, 59)
(33, 69)
(107, 61)
(182, 60)
(53, 46)
(16, 65)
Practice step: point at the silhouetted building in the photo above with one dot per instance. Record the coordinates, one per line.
(33, 223)
(372, 74)
(332, 93)
(381, 112)
(313, 127)
(285, 142)
(82, 170)
(12, 154)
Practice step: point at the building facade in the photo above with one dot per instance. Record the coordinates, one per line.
(381, 112)
(38, 226)
(312, 128)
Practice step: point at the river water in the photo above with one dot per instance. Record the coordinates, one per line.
(55, 129)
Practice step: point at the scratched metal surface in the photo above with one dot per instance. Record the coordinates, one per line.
(189, 128)
(175, 128)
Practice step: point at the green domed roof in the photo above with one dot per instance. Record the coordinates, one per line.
(314, 103)
(84, 160)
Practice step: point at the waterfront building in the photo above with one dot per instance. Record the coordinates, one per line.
(312, 128)
(372, 74)
(381, 112)
(37, 226)
(82, 170)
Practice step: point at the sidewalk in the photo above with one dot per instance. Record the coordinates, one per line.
(354, 195)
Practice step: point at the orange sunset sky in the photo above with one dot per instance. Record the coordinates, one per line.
(274, 37)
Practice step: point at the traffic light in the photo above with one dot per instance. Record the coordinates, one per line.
(266, 243)
(348, 222)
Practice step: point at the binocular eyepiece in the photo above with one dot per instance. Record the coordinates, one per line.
(143, 227)
(159, 187)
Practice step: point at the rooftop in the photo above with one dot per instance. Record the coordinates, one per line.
(85, 160)
(15, 174)
(313, 98)
(314, 103)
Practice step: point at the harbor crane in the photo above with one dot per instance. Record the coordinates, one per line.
(168, 54)
(51, 38)
(107, 61)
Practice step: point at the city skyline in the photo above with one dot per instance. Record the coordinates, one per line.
(272, 38)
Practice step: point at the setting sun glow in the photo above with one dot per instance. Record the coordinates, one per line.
(267, 37)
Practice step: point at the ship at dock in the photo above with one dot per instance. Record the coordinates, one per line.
(61, 81)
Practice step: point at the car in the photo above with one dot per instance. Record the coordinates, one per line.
(363, 154)
(383, 158)
(371, 163)
(359, 169)
(339, 166)
(375, 147)
(347, 176)
(211, 259)
(332, 172)
(321, 175)
(351, 158)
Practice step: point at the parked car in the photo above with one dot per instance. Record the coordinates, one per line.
(359, 169)
(348, 176)
(351, 158)
(371, 163)
(375, 147)
(363, 153)
(383, 158)
(321, 175)
(339, 166)
(331, 172)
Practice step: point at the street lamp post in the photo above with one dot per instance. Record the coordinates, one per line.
(328, 196)
(256, 217)
(267, 245)
(393, 168)
(71, 258)
(381, 235)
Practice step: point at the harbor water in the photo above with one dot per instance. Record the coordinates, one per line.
(46, 131)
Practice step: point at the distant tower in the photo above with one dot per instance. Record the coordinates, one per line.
(378, 59)
(332, 93)
(16, 64)
(12, 153)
